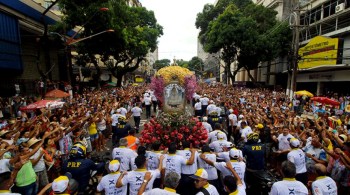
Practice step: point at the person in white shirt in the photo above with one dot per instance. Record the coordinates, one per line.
(123, 111)
(108, 182)
(115, 118)
(211, 108)
(154, 102)
(153, 161)
(136, 112)
(136, 178)
(240, 120)
(246, 130)
(232, 124)
(211, 170)
(201, 183)
(213, 135)
(206, 125)
(289, 185)
(283, 147)
(204, 100)
(323, 185)
(198, 108)
(233, 185)
(171, 181)
(148, 102)
(219, 144)
(174, 162)
(186, 185)
(297, 156)
(235, 161)
(124, 155)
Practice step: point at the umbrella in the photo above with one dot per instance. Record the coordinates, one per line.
(56, 93)
(304, 92)
(326, 100)
(37, 105)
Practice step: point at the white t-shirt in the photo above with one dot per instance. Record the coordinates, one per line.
(234, 118)
(115, 119)
(283, 141)
(5, 165)
(212, 172)
(288, 187)
(125, 156)
(211, 189)
(136, 111)
(297, 156)
(207, 126)
(204, 101)
(213, 135)
(40, 166)
(241, 190)
(198, 106)
(324, 185)
(188, 169)
(239, 167)
(108, 183)
(157, 191)
(123, 111)
(218, 145)
(245, 132)
(173, 163)
(218, 110)
(135, 179)
(211, 108)
(147, 101)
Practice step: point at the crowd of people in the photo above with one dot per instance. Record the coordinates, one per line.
(302, 143)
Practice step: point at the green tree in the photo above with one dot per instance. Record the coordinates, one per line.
(182, 63)
(196, 64)
(135, 33)
(161, 63)
(242, 33)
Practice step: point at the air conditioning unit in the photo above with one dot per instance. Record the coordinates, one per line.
(339, 7)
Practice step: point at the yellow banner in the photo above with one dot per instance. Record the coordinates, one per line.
(139, 80)
(319, 51)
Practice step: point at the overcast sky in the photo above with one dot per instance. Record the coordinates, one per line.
(178, 20)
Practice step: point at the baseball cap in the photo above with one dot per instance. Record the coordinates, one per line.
(343, 137)
(231, 110)
(123, 142)
(294, 142)
(200, 173)
(241, 116)
(234, 153)
(221, 136)
(259, 126)
(118, 110)
(114, 166)
(205, 118)
(60, 184)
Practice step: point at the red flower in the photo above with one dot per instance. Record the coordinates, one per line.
(166, 136)
(179, 136)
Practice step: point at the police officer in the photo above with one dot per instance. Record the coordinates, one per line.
(214, 118)
(255, 157)
(122, 129)
(80, 167)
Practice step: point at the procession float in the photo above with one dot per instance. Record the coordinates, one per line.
(174, 86)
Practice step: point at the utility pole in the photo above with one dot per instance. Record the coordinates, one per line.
(296, 40)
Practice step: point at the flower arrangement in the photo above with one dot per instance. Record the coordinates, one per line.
(168, 72)
(173, 127)
(191, 86)
(157, 85)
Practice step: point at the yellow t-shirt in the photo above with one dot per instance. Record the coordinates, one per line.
(92, 129)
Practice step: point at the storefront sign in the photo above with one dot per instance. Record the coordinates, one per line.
(319, 51)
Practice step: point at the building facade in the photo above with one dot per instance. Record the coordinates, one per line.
(21, 54)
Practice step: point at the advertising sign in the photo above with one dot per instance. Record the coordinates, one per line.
(319, 51)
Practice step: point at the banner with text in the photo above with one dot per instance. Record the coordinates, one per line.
(319, 51)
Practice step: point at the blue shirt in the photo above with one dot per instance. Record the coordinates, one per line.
(255, 155)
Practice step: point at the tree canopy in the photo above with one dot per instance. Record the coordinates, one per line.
(241, 31)
(196, 64)
(135, 32)
(161, 63)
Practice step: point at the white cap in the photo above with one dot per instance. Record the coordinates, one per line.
(241, 116)
(234, 153)
(294, 142)
(231, 110)
(60, 184)
(200, 173)
(205, 118)
(114, 166)
(221, 135)
(118, 110)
